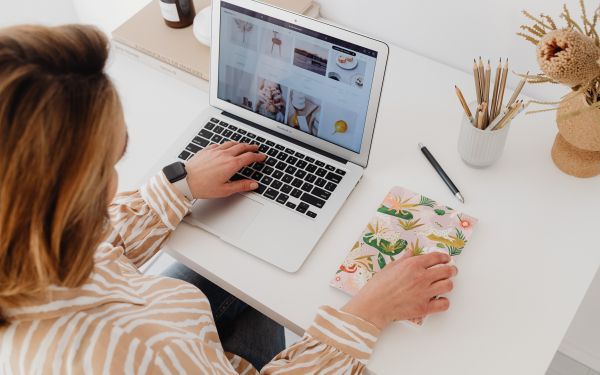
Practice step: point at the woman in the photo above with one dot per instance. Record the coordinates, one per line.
(71, 297)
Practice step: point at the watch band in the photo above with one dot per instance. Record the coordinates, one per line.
(183, 187)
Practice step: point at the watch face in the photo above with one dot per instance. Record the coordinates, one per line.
(175, 172)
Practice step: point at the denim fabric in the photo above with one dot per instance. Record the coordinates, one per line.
(242, 330)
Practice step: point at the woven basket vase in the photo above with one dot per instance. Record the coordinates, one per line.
(576, 150)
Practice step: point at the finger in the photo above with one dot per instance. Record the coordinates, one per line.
(240, 148)
(249, 158)
(441, 273)
(437, 305)
(433, 259)
(441, 287)
(227, 145)
(240, 186)
(211, 147)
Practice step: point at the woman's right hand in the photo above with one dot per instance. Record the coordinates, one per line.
(405, 289)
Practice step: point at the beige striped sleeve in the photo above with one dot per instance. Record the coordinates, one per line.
(143, 219)
(336, 341)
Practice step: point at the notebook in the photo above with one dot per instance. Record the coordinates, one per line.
(405, 221)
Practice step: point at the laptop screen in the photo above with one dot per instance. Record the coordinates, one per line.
(304, 79)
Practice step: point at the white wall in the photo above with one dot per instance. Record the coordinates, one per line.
(452, 32)
(36, 11)
(107, 14)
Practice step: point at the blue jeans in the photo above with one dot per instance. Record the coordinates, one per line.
(242, 330)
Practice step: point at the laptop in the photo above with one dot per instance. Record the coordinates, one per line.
(307, 93)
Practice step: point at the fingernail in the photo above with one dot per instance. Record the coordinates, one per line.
(253, 186)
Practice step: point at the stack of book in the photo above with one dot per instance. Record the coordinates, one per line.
(146, 38)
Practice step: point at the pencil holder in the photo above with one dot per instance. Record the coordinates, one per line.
(481, 148)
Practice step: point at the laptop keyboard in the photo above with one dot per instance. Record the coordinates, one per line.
(288, 177)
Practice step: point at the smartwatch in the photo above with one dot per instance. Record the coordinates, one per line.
(176, 174)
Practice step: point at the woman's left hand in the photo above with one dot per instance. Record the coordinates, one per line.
(209, 171)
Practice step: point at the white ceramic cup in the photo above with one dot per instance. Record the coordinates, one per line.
(480, 148)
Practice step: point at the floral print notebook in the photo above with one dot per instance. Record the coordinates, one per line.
(405, 221)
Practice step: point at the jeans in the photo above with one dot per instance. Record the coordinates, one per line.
(242, 330)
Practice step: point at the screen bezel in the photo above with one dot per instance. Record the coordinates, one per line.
(381, 48)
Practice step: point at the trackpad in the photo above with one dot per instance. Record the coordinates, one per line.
(227, 217)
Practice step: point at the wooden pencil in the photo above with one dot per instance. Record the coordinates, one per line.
(480, 119)
(476, 78)
(481, 72)
(495, 93)
(488, 75)
(510, 114)
(518, 90)
(502, 86)
(463, 102)
(484, 110)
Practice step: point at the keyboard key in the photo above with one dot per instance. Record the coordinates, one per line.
(330, 167)
(218, 129)
(320, 182)
(266, 180)
(302, 207)
(340, 172)
(246, 140)
(280, 165)
(261, 188)
(227, 133)
(287, 178)
(334, 177)
(309, 159)
(290, 169)
(292, 160)
(311, 214)
(277, 174)
(318, 192)
(310, 178)
(223, 140)
(286, 188)
(282, 198)
(263, 148)
(330, 186)
(321, 172)
(209, 125)
(319, 163)
(272, 152)
(214, 120)
(276, 184)
(290, 205)
(232, 127)
(247, 172)
(200, 141)
(216, 138)
(271, 193)
(280, 147)
(260, 139)
(271, 161)
(242, 131)
(297, 182)
(311, 199)
(307, 187)
(237, 177)
(205, 133)
(289, 151)
(296, 193)
(257, 166)
(311, 168)
(281, 156)
(300, 173)
(223, 123)
(299, 155)
(257, 176)
(270, 143)
(236, 137)
(301, 164)
(193, 148)
(184, 155)
(267, 170)
(250, 135)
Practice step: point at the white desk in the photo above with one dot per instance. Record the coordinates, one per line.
(521, 278)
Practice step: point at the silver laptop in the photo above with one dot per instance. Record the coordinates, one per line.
(307, 93)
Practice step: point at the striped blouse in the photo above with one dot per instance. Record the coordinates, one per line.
(122, 321)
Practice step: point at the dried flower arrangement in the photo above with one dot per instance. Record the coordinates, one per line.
(571, 56)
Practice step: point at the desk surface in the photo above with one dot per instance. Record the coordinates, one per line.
(521, 278)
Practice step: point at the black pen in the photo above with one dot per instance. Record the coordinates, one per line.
(438, 168)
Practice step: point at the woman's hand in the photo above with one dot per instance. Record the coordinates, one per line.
(404, 289)
(209, 171)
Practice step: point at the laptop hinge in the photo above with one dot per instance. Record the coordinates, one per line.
(286, 138)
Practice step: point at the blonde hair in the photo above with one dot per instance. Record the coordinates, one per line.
(58, 117)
